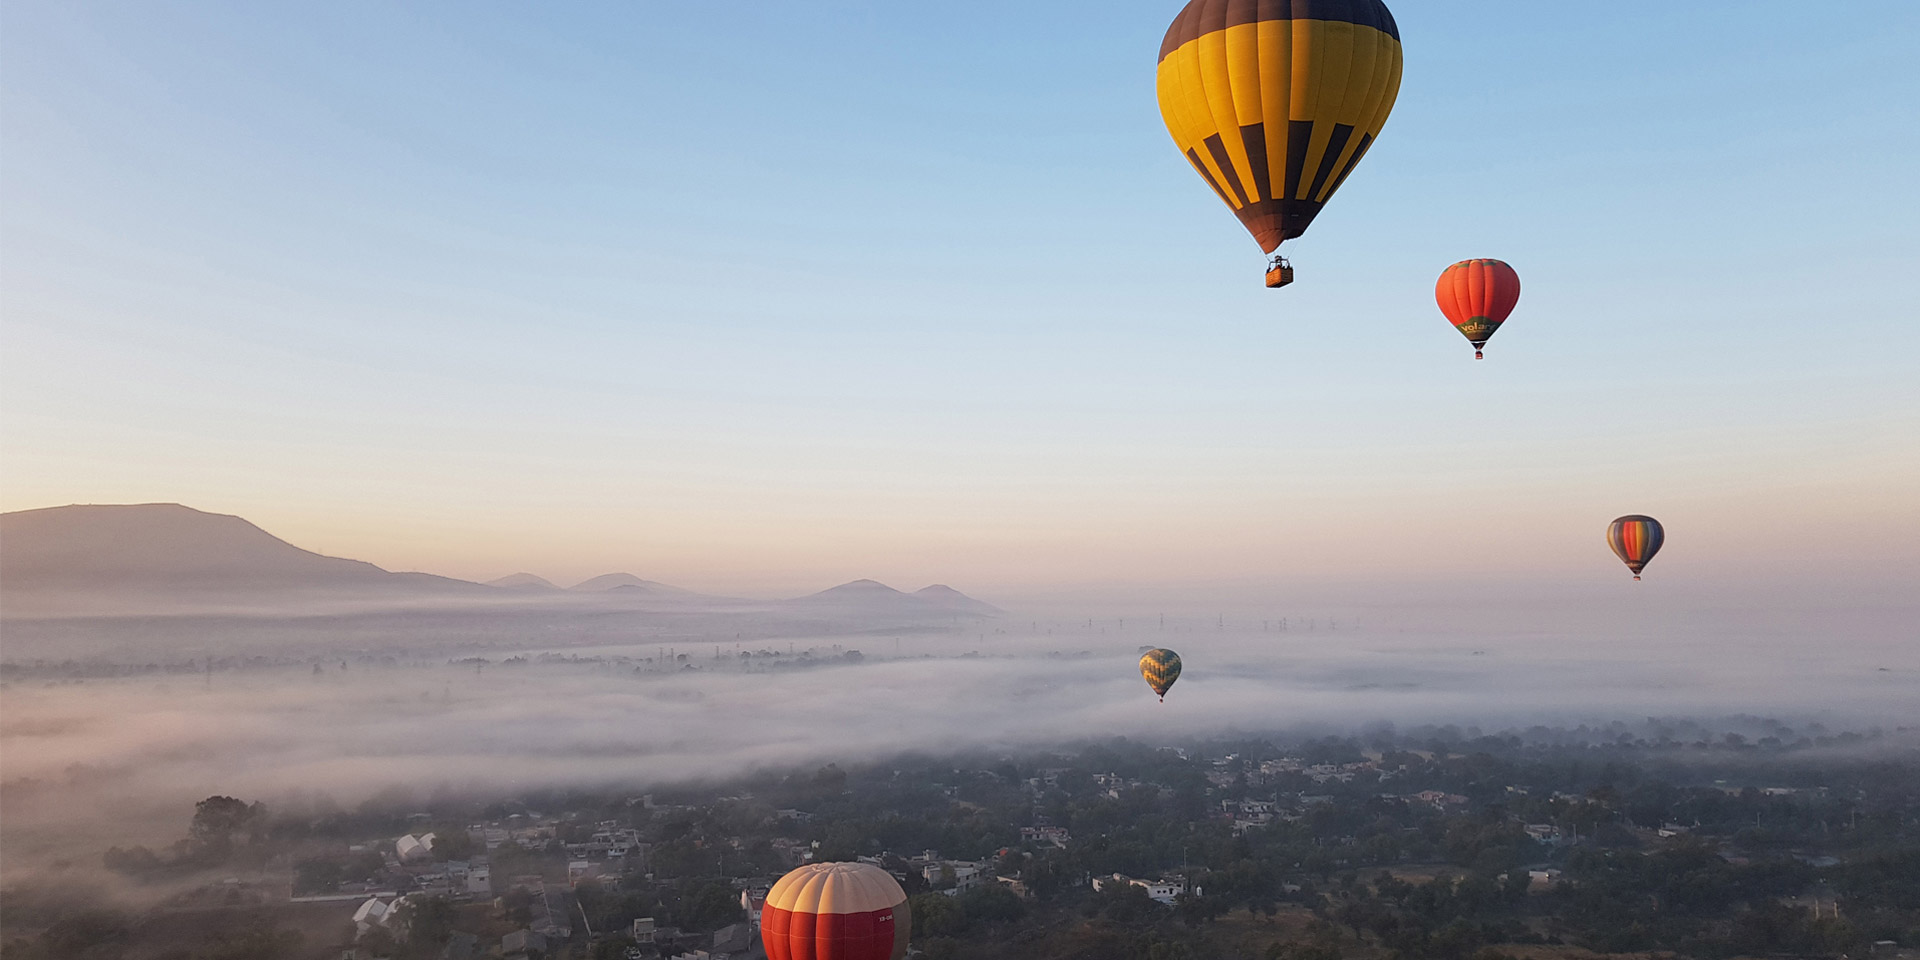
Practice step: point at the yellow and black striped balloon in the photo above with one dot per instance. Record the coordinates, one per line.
(1275, 101)
(1160, 668)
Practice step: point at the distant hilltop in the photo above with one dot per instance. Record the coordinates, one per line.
(878, 597)
(98, 555)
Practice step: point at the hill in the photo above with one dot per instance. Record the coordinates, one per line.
(525, 582)
(627, 583)
(116, 548)
(947, 598)
(873, 597)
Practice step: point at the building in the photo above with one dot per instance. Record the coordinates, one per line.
(461, 946)
(643, 930)
(552, 914)
(1160, 891)
(371, 914)
(1056, 836)
(752, 903)
(965, 875)
(412, 849)
(734, 939)
(480, 881)
(522, 944)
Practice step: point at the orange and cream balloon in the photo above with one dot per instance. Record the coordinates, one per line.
(836, 911)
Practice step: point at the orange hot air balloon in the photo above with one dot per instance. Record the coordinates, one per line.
(836, 911)
(1477, 296)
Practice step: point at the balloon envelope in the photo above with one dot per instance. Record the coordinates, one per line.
(1477, 296)
(836, 911)
(1160, 668)
(1275, 101)
(1635, 539)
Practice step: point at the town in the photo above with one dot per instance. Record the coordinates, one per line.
(1437, 843)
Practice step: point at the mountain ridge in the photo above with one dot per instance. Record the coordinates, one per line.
(170, 550)
(173, 545)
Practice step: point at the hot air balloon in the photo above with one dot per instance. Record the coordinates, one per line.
(1635, 539)
(1160, 668)
(836, 911)
(1477, 296)
(1275, 101)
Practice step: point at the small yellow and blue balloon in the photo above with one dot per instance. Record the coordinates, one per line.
(1161, 668)
(1635, 539)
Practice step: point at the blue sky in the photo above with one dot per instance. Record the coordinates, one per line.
(791, 294)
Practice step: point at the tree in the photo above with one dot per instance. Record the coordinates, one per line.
(992, 903)
(216, 820)
(712, 906)
(611, 948)
(1126, 903)
(428, 922)
(937, 915)
(517, 904)
(452, 844)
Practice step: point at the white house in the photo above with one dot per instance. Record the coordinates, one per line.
(480, 881)
(412, 849)
(1160, 891)
(371, 914)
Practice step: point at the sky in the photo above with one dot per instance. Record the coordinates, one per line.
(765, 299)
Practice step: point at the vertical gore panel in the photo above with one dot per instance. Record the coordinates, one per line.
(1254, 138)
(1364, 78)
(773, 932)
(800, 935)
(1194, 158)
(1301, 94)
(1298, 133)
(1217, 79)
(1276, 77)
(1336, 145)
(1199, 111)
(1354, 161)
(1243, 71)
(1219, 151)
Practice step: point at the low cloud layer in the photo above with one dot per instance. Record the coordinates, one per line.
(127, 755)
